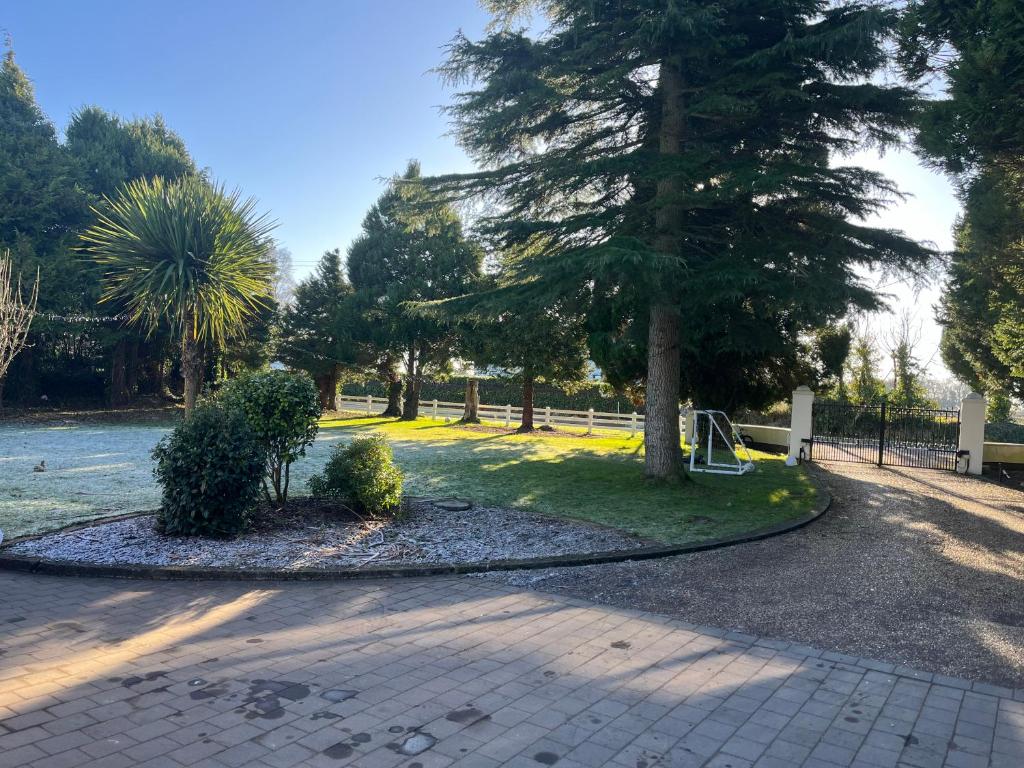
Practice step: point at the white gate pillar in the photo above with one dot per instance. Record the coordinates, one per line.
(972, 430)
(801, 425)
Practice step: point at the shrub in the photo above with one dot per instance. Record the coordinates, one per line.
(209, 468)
(363, 472)
(282, 409)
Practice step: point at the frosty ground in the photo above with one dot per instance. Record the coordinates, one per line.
(99, 470)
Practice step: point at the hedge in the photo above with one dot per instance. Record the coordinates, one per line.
(506, 391)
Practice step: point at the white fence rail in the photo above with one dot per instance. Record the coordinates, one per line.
(509, 414)
(633, 423)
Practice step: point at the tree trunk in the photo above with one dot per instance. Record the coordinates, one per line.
(471, 411)
(133, 367)
(662, 451)
(411, 411)
(526, 425)
(118, 394)
(394, 382)
(191, 367)
(332, 400)
(327, 383)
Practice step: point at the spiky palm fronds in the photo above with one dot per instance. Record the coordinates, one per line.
(184, 251)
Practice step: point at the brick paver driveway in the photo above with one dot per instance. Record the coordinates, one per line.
(447, 672)
(921, 567)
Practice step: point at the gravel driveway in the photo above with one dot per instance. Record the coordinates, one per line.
(911, 566)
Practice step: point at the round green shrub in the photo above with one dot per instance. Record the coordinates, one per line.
(283, 410)
(364, 473)
(209, 468)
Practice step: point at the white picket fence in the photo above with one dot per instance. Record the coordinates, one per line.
(508, 414)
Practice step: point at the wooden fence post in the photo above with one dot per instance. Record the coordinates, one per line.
(632, 425)
(590, 421)
(369, 403)
(433, 414)
(547, 415)
(508, 415)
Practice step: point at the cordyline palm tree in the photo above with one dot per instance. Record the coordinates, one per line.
(188, 253)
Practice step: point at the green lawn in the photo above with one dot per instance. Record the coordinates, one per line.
(591, 478)
(99, 470)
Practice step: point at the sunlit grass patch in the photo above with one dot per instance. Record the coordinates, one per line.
(597, 478)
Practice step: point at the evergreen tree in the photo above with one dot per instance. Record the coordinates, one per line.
(866, 386)
(975, 132)
(548, 346)
(411, 250)
(110, 151)
(315, 336)
(832, 350)
(676, 158)
(41, 208)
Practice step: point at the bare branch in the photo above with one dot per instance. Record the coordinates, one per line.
(16, 314)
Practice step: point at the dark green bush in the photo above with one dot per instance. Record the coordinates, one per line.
(283, 410)
(209, 468)
(364, 473)
(1004, 432)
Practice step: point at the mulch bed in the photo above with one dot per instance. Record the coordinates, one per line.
(312, 533)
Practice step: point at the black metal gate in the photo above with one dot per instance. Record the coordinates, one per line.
(885, 434)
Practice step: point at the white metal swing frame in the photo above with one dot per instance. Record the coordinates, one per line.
(737, 466)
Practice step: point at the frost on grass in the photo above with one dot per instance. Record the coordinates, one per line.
(426, 534)
(92, 471)
(96, 471)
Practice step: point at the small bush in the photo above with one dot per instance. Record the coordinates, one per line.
(209, 468)
(282, 409)
(363, 472)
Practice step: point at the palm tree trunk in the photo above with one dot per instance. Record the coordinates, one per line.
(119, 392)
(191, 367)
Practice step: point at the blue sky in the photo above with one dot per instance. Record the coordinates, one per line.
(307, 104)
(303, 104)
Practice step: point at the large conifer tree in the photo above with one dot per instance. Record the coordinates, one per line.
(315, 336)
(675, 156)
(412, 249)
(974, 131)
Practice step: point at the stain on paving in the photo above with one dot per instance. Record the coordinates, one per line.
(263, 698)
(211, 691)
(129, 682)
(325, 715)
(468, 716)
(338, 751)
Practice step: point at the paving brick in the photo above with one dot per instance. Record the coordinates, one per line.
(421, 661)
